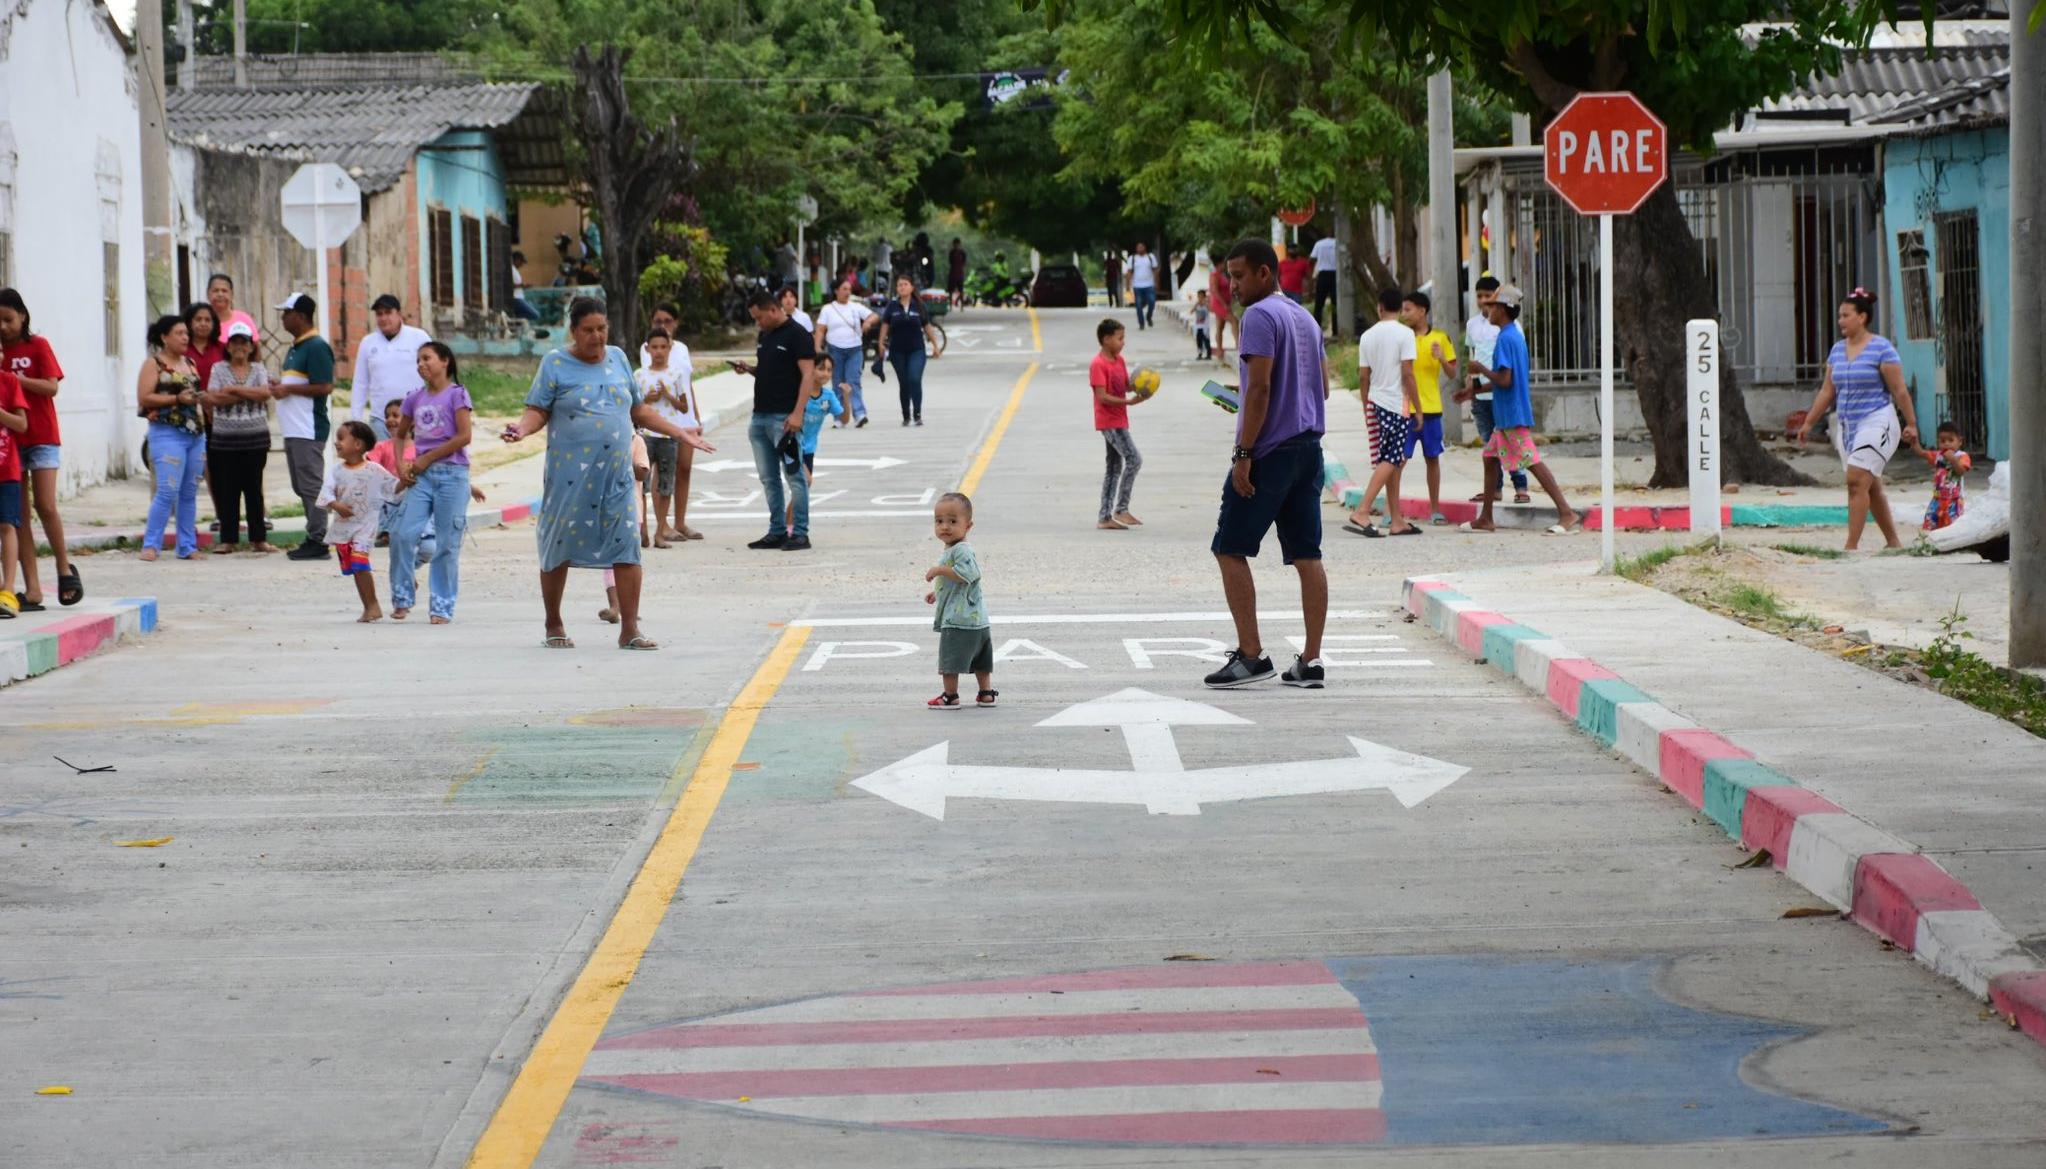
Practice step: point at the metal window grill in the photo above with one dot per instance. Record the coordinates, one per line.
(1917, 281)
(1961, 396)
(1782, 250)
(440, 230)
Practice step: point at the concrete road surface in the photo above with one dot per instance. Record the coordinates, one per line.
(438, 896)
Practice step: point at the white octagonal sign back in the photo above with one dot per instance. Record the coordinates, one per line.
(322, 205)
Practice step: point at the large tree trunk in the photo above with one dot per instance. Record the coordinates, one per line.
(632, 173)
(1367, 263)
(1658, 284)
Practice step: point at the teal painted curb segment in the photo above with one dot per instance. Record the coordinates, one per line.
(1726, 789)
(1499, 643)
(1786, 515)
(1598, 703)
(42, 653)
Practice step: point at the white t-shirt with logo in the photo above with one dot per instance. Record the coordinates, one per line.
(673, 380)
(843, 322)
(1381, 350)
(1144, 271)
(1323, 253)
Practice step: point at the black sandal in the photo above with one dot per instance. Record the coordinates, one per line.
(70, 588)
(986, 699)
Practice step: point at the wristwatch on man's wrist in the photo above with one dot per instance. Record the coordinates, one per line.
(1240, 454)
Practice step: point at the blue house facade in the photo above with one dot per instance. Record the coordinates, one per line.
(1947, 211)
(464, 210)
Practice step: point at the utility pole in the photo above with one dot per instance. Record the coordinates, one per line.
(2027, 345)
(241, 44)
(160, 289)
(1442, 251)
(188, 61)
(1342, 313)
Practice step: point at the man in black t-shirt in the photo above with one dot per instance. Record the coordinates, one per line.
(781, 380)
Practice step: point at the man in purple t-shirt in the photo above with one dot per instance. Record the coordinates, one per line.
(1275, 471)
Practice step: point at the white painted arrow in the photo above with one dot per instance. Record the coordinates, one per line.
(924, 781)
(880, 464)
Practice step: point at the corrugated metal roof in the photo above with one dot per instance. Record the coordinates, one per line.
(1967, 80)
(373, 131)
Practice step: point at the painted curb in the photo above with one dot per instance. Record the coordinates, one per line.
(64, 641)
(1635, 518)
(1881, 882)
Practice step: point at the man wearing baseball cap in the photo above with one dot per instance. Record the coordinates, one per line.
(1512, 445)
(301, 392)
(386, 364)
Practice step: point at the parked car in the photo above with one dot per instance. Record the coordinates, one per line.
(1059, 286)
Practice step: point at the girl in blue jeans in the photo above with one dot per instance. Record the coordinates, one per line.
(167, 394)
(436, 419)
(907, 341)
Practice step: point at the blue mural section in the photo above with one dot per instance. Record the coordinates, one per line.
(1485, 1050)
(1925, 178)
(462, 174)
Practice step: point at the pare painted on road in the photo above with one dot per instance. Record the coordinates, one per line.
(1456, 1050)
(1359, 651)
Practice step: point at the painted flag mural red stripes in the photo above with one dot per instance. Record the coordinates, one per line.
(1256, 1053)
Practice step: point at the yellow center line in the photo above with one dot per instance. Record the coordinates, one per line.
(520, 1126)
(986, 455)
(1036, 334)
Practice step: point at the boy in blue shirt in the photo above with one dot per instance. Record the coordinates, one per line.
(1512, 445)
(823, 400)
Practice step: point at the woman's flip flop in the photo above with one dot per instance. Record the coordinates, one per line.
(640, 643)
(557, 642)
(70, 587)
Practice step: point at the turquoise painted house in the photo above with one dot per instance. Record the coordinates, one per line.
(1947, 203)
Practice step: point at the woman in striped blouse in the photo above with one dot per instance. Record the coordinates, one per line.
(1865, 382)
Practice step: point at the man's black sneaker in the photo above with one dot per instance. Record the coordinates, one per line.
(309, 550)
(1303, 673)
(796, 544)
(1239, 671)
(770, 540)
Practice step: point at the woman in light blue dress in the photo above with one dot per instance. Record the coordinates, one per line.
(589, 506)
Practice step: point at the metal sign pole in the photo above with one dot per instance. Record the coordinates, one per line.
(1605, 390)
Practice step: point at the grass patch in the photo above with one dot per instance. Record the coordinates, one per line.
(1342, 364)
(285, 510)
(1811, 550)
(1638, 568)
(1755, 601)
(498, 393)
(1961, 674)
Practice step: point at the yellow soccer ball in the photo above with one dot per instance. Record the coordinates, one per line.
(1144, 382)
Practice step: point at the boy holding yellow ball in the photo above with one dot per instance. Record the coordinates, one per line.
(1113, 397)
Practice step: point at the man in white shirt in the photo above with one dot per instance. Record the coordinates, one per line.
(1392, 404)
(842, 325)
(1144, 285)
(386, 364)
(883, 256)
(1323, 256)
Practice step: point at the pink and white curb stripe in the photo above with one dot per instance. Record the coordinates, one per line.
(30, 651)
(1884, 883)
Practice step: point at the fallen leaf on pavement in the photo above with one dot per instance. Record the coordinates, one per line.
(161, 840)
(1188, 958)
(55, 1090)
(1833, 629)
(1811, 911)
(1756, 861)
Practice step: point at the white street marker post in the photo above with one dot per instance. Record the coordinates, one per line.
(1701, 364)
(1605, 154)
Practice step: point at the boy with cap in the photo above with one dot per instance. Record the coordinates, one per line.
(301, 392)
(1512, 445)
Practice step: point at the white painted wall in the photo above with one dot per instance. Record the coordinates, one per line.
(68, 95)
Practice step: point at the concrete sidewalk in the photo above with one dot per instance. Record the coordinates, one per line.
(1921, 777)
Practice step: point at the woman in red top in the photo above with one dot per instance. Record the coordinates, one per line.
(29, 358)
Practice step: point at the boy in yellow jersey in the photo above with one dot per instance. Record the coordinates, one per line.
(1434, 358)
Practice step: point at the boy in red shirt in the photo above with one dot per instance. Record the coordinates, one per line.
(1110, 379)
(13, 424)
